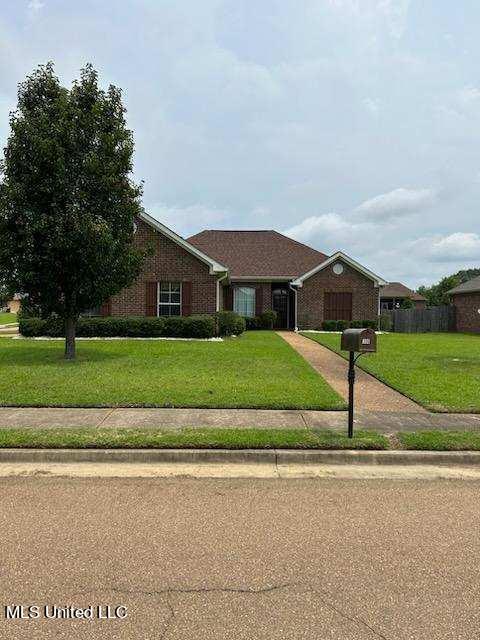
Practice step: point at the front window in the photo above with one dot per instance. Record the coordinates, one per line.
(169, 299)
(93, 312)
(244, 301)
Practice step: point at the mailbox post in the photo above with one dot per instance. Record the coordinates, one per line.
(358, 341)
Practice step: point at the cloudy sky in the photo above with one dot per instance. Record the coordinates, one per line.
(347, 124)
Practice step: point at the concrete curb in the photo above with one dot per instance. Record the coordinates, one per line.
(240, 456)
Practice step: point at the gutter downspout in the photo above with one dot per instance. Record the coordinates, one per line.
(217, 302)
(379, 309)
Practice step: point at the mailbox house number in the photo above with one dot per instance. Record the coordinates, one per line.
(365, 340)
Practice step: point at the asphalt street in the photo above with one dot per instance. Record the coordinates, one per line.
(241, 558)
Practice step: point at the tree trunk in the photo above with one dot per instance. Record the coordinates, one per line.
(70, 325)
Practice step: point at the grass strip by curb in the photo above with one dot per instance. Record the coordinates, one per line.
(132, 438)
(440, 440)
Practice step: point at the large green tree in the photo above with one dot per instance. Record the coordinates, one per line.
(437, 294)
(67, 198)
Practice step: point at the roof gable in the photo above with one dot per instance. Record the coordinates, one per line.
(399, 290)
(258, 254)
(471, 286)
(339, 255)
(214, 266)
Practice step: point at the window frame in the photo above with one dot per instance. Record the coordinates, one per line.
(169, 304)
(93, 312)
(236, 291)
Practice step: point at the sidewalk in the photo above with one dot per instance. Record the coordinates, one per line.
(381, 421)
(370, 393)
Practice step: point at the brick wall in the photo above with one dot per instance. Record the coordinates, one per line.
(311, 296)
(467, 306)
(169, 262)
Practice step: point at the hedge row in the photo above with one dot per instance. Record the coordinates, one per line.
(230, 323)
(172, 327)
(265, 320)
(341, 325)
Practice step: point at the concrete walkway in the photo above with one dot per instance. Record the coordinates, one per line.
(382, 421)
(370, 393)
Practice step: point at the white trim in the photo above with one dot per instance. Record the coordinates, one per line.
(217, 301)
(261, 278)
(339, 255)
(169, 303)
(295, 291)
(215, 267)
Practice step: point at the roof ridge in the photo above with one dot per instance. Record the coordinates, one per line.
(237, 231)
(302, 244)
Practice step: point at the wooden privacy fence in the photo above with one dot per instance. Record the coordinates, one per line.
(423, 320)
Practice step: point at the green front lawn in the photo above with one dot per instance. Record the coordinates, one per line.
(188, 439)
(8, 318)
(441, 440)
(441, 371)
(259, 370)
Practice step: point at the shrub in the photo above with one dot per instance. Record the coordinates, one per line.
(31, 327)
(363, 324)
(230, 323)
(267, 319)
(252, 322)
(329, 325)
(175, 326)
(342, 325)
(199, 327)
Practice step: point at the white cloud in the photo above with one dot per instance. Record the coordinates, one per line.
(371, 105)
(331, 232)
(187, 220)
(327, 223)
(469, 95)
(35, 5)
(396, 203)
(454, 247)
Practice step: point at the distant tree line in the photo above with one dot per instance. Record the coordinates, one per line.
(437, 294)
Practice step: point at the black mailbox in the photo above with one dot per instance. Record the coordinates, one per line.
(359, 340)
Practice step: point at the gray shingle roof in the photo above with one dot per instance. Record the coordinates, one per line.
(399, 290)
(470, 286)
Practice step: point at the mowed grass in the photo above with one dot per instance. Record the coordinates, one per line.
(441, 440)
(441, 371)
(258, 369)
(188, 439)
(8, 318)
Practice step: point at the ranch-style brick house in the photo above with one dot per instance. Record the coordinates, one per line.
(246, 271)
(466, 299)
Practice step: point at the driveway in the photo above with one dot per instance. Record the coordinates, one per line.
(243, 559)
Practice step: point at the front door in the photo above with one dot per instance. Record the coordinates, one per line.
(280, 297)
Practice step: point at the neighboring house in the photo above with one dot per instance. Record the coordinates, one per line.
(246, 271)
(394, 294)
(13, 305)
(466, 298)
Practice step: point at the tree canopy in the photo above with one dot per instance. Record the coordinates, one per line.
(437, 294)
(67, 198)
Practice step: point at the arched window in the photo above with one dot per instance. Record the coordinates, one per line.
(244, 301)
